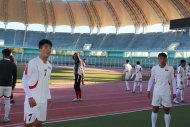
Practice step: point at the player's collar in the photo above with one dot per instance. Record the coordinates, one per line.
(6, 59)
(42, 60)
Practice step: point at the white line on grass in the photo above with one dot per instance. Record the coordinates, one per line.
(91, 116)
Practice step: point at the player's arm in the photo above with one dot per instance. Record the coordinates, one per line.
(14, 76)
(29, 71)
(49, 95)
(151, 82)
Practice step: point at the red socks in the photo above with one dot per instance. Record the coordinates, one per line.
(78, 94)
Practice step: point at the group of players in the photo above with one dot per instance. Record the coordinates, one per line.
(128, 75)
(38, 96)
(181, 79)
(163, 77)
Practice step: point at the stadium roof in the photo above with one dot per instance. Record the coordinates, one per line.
(93, 13)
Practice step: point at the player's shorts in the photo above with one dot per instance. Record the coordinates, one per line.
(180, 85)
(127, 76)
(161, 99)
(138, 77)
(5, 91)
(38, 112)
(188, 76)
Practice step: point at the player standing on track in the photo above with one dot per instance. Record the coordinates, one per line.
(138, 77)
(78, 70)
(127, 72)
(35, 83)
(162, 75)
(8, 77)
(188, 74)
(181, 80)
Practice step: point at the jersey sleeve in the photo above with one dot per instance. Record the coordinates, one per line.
(14, 75)
(151, 80)
(29, 70)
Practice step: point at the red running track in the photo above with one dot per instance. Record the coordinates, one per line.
(99, 99)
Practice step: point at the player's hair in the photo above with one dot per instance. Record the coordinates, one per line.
(162, 55)
(77, 56)
(6, 52)
(183, 61)
(43, 42)
(127, 61)
(138, 62)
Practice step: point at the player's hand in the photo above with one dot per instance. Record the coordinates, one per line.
(32, 102)
(174, 95)
(149, 95)
(50, 103)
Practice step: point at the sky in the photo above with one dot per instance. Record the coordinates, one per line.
(81, 29)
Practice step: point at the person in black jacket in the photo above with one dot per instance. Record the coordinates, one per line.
(12, 101)
(78, 70)
(8, 77)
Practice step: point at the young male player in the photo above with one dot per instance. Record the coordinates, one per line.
(188, 74)
(138, 77)
(181, 80)
(127, 72)
(35, 84)
(8, 77)
(162, 75)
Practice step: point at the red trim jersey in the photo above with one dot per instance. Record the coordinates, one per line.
(35, 80)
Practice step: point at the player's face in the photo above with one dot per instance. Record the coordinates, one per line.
(45, 50)
(183, 64)
(162, 60)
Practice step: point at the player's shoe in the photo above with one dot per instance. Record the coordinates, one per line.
(126, 89)
(75, 100)
(183, 101)
(80, 99)
(6, 120)
(12, 102)
(175, 101)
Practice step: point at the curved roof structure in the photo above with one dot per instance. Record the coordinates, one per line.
(93, 13)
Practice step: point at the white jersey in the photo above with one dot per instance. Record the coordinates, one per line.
(180, 74)
(162, 77)
(138, 70)
(35, 80)
(127, 69)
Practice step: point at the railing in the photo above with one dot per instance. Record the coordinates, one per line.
(100, 62)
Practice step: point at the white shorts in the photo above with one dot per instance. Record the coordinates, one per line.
(5, 91)
(38, 112)
(162, 99)
(127, 76)
(138, 78)
(180, 85)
